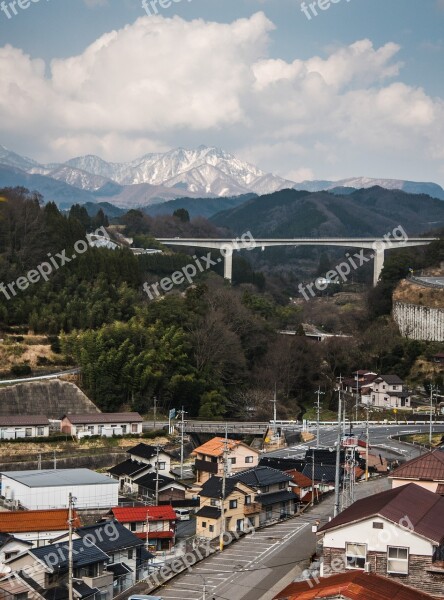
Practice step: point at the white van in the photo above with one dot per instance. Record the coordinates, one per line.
(139, 597)
(183, 514)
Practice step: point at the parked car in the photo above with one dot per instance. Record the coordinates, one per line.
(182, 514)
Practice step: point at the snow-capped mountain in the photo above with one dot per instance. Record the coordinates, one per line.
(157, 177)
(411, 187)
(204, 170)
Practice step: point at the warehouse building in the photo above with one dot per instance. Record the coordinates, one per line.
(50, 488)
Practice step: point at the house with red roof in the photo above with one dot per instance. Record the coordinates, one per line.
(426, 470)
(397, 534)
(156, 525)
(353, 585)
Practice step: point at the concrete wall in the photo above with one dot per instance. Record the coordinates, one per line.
(420, 322)
(52, 398)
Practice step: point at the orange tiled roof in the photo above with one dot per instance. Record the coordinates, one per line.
(215, 447)
(353, 586)
(20, 521)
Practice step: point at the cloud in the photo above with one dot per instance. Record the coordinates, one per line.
(161, 82)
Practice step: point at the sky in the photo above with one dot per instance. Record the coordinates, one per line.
(356, 89)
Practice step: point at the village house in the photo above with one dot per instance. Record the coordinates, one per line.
(11, 546)
(38, 527)
(155, 525)
(301, 484)
(142, 461)
(426, 470)
(45, 570)
(398, 534)
(241, 511)
(21, 426)
(106, 424)
(128, 558)
(168, 489)
(273, 492)
(387, 391)
(210, 458)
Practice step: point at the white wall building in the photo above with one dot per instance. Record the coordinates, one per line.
(50, 488)
(20, 426)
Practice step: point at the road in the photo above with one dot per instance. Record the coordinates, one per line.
(40, 377)
(259, 565)
(381, 440)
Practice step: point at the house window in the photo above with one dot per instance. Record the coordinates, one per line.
(356, 555)
(130, 554)
(21, 596)
(265, 489)
(9, 555)
(233, 461)
(211, 528)
(133, 527)
(397, 560)
(100, 429)
(377, 525)
(233, 503)
(248, 459)
(161, 466)
(134, 428)
(247, 500)
(282, 485)
(40, 431)
(91, 428)
(204, 524)
(214, 502)
(28, 431)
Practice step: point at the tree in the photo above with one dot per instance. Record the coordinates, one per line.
(182, 214)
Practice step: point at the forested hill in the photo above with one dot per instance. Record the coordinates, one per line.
(366, 212)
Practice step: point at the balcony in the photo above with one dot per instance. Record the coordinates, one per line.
(253, 508)
(206, 466)
(100, 581)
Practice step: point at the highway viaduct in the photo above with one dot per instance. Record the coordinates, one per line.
(228, 246)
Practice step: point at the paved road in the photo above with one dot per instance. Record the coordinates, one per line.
(259, 565)
(381, 440)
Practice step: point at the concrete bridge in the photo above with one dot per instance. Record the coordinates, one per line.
(228, 246)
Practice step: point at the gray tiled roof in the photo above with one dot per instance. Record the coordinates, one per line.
(261, 476)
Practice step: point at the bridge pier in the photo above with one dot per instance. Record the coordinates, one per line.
(378, 265)
(228, 264)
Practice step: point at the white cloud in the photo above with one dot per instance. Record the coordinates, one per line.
(161, 81)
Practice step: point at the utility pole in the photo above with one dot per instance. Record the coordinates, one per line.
(338, 451)
(157, 477)
(155, 409)
(433, 388)
(39, 463)
(70, 552)
(367, 435)
(147, 528)
(224, 481)
(274, 411)
(55, 460)
(318, 410)
(312, 476)
(357, 396)
(182, 426)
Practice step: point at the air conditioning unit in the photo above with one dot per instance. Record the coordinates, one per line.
(367, 567)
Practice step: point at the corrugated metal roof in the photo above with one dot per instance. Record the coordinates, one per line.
(36, 520)
(424, 510)
(353, 585)
(58, 477)
(428, 467)
(104, 418)
(23, 420)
